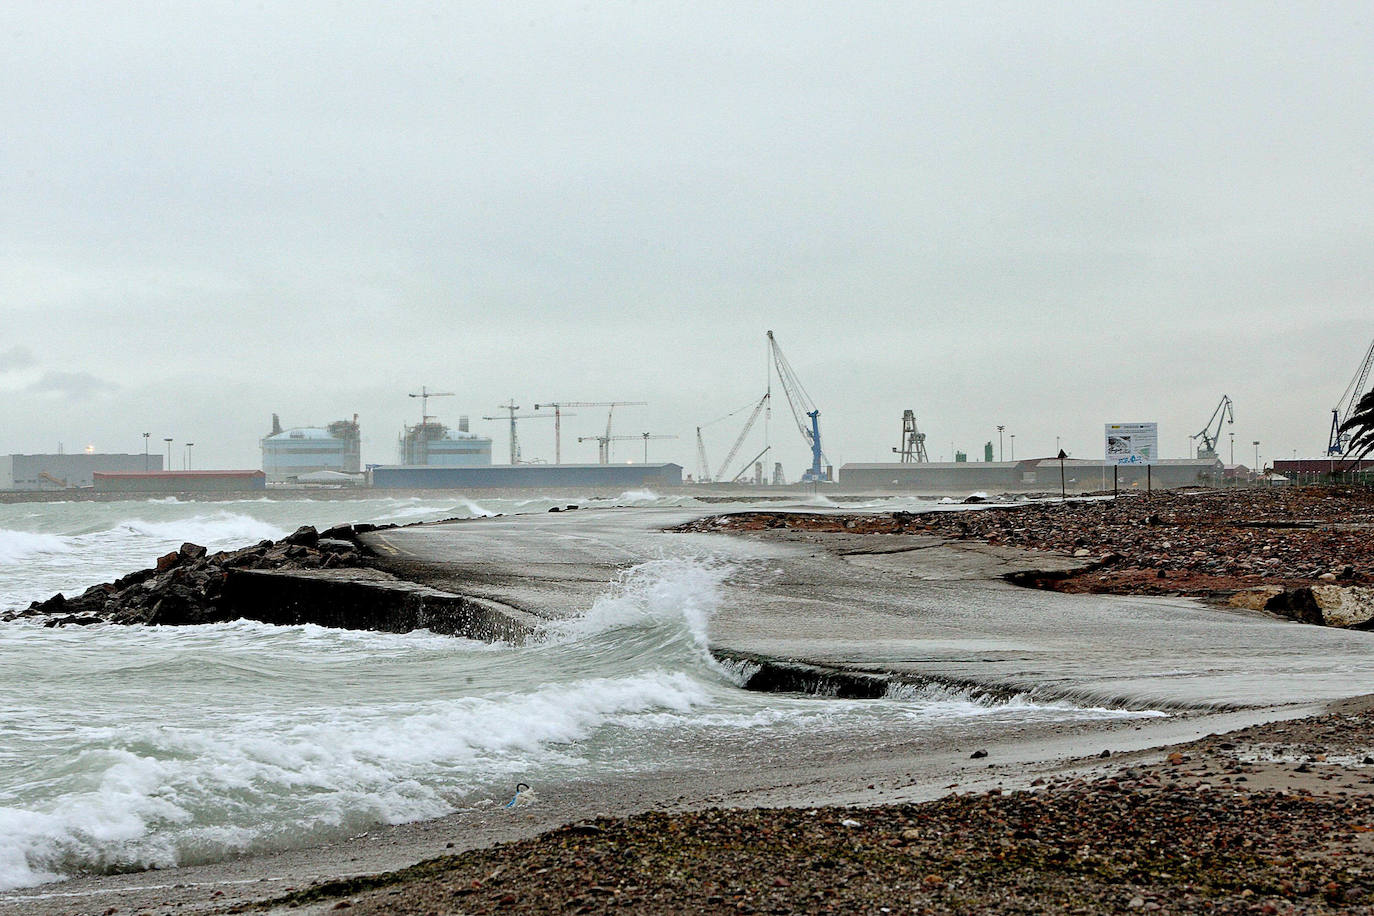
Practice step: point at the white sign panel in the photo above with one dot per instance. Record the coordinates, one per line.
(1132, 443)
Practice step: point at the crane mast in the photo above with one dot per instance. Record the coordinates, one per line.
(802, 407)
(1338, 442)
(512, 407)
(913, 447)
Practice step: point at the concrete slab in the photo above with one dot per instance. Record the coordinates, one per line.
(902, 607)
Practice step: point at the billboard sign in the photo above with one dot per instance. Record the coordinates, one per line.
(1132, 443)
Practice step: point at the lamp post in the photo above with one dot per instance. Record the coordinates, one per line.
(999, 442)
(168, 440)
(145, 452)
(1013, 446)
(188, 455)
(1257, 464)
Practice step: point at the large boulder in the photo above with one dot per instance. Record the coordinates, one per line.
(1327, 605)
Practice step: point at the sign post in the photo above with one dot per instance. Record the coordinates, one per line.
(1132, 443)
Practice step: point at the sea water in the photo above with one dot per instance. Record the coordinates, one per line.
(126, 748)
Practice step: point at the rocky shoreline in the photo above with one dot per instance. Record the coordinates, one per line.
(1304, 553)
(186, 586)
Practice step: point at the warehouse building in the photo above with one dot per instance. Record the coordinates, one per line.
(1037, 474)
(289, 453)
(62, 472)
(175, 482)
(526, 476)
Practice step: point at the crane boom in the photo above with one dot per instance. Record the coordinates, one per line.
(750, 463)
(558, 419)
(424, 396)
(703, 469)
(1339, 442)
(802, 407)
(743, 433)
(1224, 413)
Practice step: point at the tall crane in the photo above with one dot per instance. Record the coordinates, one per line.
(743, 433)
(644, 437)
(424, 396)
(1224, 413)
(558, 419)
(803, 410)
(511, 409)
(703, 465)
(1338, 443)
(913, 447)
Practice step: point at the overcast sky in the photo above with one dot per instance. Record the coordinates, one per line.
(1046, 216)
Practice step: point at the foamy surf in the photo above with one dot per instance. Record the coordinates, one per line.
(128, 748)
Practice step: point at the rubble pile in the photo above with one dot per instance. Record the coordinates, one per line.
(1303, 552)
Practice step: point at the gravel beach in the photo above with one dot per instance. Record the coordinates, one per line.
(1273, 818)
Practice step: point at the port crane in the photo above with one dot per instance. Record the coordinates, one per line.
(804, 410)
(558, 419)
(511, 409)
(1338, 442)
(424, 396)
(913, 447)
(1211, 438)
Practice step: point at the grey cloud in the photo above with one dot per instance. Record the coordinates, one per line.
(76, 386)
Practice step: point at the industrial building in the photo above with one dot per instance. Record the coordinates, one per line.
(1031, 474)
(431, 443)
(525, 476)
(62, 472)
(167, 482)
(289, 453)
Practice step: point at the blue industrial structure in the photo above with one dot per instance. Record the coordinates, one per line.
(802, 406)
(525, 476)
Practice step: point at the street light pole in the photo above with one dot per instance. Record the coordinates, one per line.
(1013, 446)
(145, 452)
(999, 442)
(1257, 464)
(168, 440)
(188, 455)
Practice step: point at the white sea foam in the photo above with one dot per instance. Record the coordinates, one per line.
(675, 591)
(18, 546)
(216, 529)
(165, 796)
